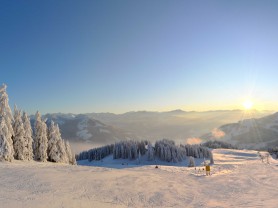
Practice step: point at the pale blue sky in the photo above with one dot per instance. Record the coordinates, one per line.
(118, 56)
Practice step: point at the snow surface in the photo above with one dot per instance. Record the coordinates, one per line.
(239, 179)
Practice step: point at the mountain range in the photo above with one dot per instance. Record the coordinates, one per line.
(95, 129)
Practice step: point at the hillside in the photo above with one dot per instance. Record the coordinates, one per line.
(255, 133)
(239, 179)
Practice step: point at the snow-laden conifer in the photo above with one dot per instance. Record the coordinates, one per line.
(19, 143)
(191, 162)
(28, 136)
(150, 152)
(61, 146)
(40, 140)
(71, 156)
(6, 149)
(211, 158)
(139, 157)
(53, 154)
(6, 114)
(56, 146)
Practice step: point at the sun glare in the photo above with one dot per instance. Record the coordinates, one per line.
(247, 104)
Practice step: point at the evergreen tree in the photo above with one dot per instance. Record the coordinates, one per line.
(19, 144)
(150, 152)
(53, 154)
(28, 137)
(70, 155)
(6, 149)
(191, 162)
(211, 158)
(56, 146)
(139, 157)
(40, 141)
(61, 147)
(6, 114)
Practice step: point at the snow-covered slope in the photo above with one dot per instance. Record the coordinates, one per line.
(239, 179)
(251, 133)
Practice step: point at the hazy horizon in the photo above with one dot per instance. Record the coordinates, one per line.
(154, 111)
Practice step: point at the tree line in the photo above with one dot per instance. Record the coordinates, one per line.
(165, 150)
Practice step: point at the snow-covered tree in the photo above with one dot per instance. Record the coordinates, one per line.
(6, 115)
(139, 157)
(28, 136)
(150, 152)
(52, 151)
(191, 162)
(40, 140)
(19, 143)
(61, 146)
(56, 146)
(6, 149)
(70, 154)
(211, 158)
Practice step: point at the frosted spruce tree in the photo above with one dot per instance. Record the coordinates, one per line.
(191, 162)
(139, 157)
(56, 146)
(211, 158)
(70, 154)
(28, 136)
(6, 149)
(6, 114)
(150, 152)
(19, 143)
(61, 146)
(52, 150)
(40, 140)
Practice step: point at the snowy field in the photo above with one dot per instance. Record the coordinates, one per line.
(239, 179)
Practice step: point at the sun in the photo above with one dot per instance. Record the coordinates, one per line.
(248, 104)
